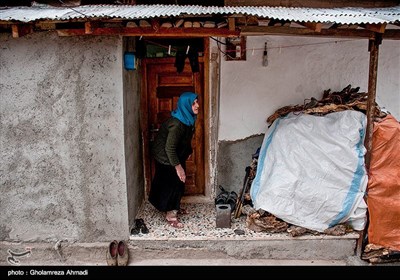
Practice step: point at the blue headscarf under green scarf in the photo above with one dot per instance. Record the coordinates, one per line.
(184, 112)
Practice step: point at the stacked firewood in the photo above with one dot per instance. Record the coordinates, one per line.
(260, 220)
(263, 221)
(379, 254)
(347, 99)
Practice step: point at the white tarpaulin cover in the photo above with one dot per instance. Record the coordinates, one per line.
(311, 172)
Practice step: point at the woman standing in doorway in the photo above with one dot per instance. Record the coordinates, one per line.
(171, 149)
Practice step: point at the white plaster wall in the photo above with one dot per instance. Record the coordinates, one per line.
(62, 172)
(299, 68)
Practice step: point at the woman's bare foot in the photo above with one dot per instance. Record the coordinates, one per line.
(175, 223)
(171, 214)
(172, 219)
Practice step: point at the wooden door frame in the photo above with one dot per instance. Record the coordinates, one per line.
(144, 124)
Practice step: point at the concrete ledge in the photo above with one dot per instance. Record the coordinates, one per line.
(296, 249)
(278, 250)
(264, 237)
(51, 253)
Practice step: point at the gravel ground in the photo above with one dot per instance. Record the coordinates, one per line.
(199, 224)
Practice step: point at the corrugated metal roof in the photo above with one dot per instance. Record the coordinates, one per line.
(337, 15)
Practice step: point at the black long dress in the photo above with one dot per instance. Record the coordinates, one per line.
(171, 147)
(167, 189)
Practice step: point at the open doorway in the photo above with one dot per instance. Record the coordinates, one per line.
(164, 77)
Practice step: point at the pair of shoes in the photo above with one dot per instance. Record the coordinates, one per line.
(222, 197)
(117, 253)
(140, 227)
(226, 197)
(174, 222)
(123, 253)
(112, 253)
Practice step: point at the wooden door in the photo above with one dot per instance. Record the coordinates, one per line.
(163, 85)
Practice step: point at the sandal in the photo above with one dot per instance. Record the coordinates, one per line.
(175, 223)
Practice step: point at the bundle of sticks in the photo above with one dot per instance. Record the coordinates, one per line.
(347, 99)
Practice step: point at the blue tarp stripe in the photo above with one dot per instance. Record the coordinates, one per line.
(255, 186)
(355, 183)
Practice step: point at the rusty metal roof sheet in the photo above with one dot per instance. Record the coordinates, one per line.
(348, 15)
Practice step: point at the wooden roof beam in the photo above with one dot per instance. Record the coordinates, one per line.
(90, 26)
(161, 32)
(20, 30)
(45, 25)
(379, 28)
(393, 34)
(313, 26)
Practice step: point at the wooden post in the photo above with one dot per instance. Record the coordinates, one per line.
(373, 49)
(373, 70)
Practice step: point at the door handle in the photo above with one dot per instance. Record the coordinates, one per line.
(152, 132)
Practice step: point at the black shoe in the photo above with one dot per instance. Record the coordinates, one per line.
(141, 226)
(232, 199)
(222, 197)
(135, 231)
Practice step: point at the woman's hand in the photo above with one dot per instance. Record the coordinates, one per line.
(180, 172)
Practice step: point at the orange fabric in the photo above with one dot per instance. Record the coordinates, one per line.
(383, 189)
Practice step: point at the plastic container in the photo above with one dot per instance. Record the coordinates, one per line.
(129, 61)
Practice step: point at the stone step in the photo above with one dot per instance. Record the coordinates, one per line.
(234, 262)
(270, 247)
(274, 251)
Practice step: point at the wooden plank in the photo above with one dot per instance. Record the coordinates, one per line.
(90, 26)
(373, 70)
(208, 128)
(168, 81)
(317, 27)
(231, 24)
(273, 30)
(144, 125)
(46, 25)
(161, 32)
(167, 92)
(380, 28)
(393, 34)
(19, 30)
